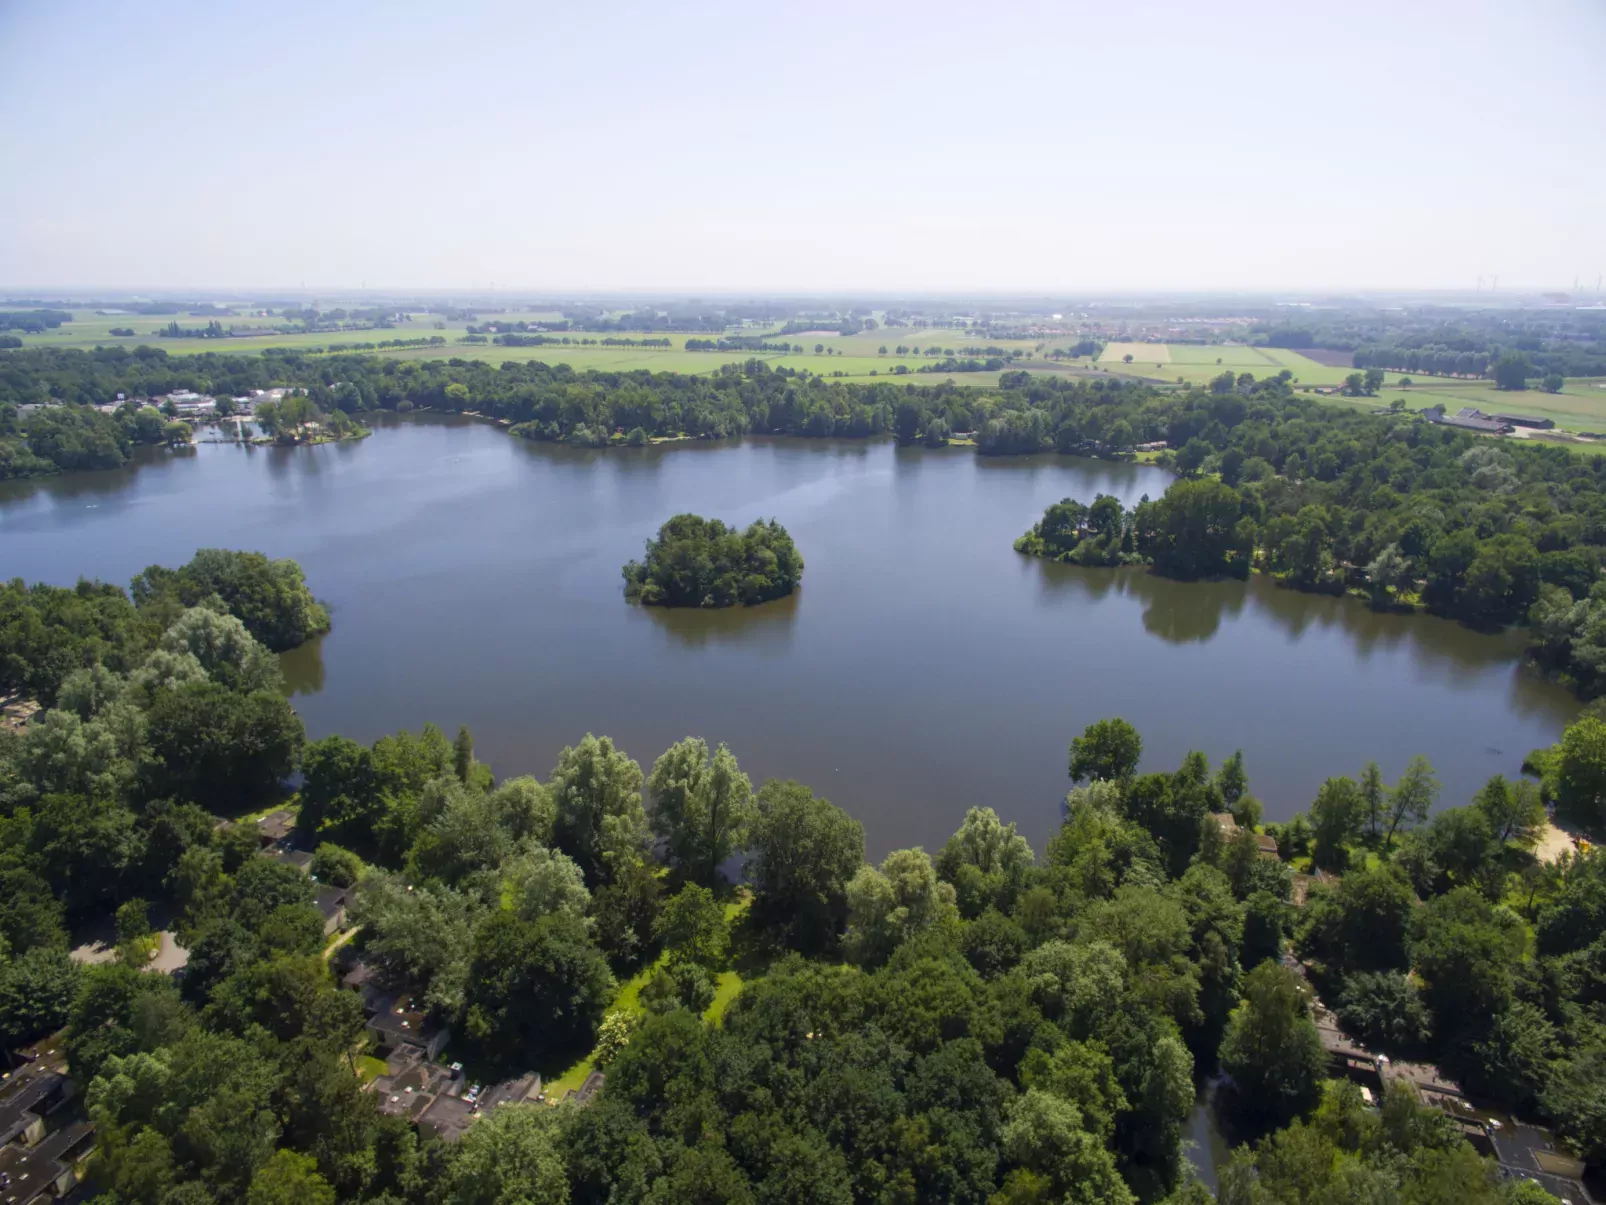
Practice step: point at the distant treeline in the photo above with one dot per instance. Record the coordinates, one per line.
(212, 330)
(513, 339)
(1568, 360)
(740, 344)
(33, 322)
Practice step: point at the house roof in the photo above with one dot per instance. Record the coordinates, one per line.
(511, 1092)
(447, 1117)
(330, 900)
(26, 1096)
(275, 826)
(400, 1018)
(299, 858)
(28, 1172)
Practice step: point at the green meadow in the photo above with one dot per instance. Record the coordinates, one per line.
(1580, 406)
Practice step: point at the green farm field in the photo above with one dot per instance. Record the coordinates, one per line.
(1580, 406)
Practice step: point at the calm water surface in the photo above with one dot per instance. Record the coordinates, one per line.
(923, 668)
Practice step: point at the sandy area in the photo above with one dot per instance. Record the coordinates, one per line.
(1552, 843)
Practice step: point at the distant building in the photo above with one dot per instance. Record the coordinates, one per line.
(1525, 420)
(1468, 418)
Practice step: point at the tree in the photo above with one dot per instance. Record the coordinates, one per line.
(1387, 573)
(804, 852)
(1514, 810)
(888, 905)
(1464, 949)
(697, 562)
(289, 1178)
(1107, 749)
(36, 994)
(1374, 800)
(226, 749)
(511, 1155)
(1384, 1010)
(692, 928)
(270, 597)
(702, 807)
(1272, 1049)
(1044, 1136)
(1193, 531)
(1336, 817)
(1412, 797)
(1552, 382)
(1511, 371)
(986, 861)
(224, 649)
(1372, 380)
(599, 820)
(1361, 924)
(335, 866)
(463, 755)
(1231, 780)
(1580, 774)
(535, 988)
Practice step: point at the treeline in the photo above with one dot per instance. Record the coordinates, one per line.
(1406, 511)
(697, 562)
(60, 438)
(513, 339)
(212, 330)
(741, 344)
(33, 322)
(50, 632)
(1563, 359)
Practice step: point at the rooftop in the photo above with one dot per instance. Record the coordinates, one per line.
(276, 826)
(447, 1117)
(27, 1173)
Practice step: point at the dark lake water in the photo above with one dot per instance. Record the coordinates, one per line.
(924, 666)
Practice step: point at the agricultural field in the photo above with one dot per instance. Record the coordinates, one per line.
(1196, 363)
(1580, 406)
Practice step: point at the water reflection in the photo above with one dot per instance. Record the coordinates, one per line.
(303, 668)
(72, 487)
(763, 629)
(1176, 612)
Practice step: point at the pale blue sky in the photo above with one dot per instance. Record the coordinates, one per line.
(1060, 147)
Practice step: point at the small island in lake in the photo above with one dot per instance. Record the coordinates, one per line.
(698, 562)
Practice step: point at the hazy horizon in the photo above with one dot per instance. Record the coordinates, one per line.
(1028, 150)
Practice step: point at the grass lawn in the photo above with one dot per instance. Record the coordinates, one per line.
(369, 1068)
(727, 987)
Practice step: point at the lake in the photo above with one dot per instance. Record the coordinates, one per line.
(923, 668)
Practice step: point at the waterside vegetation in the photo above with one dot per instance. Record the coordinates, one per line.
(697, 562)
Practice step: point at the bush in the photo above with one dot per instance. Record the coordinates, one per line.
(335, 866)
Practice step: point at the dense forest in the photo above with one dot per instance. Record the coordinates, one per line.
(698, 562)
(985, 1025)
